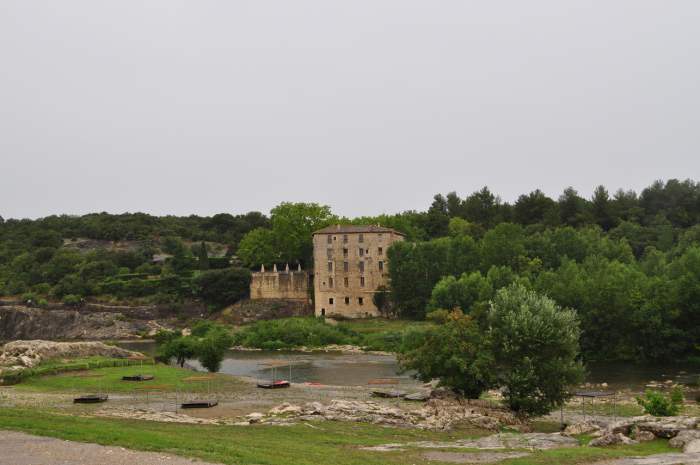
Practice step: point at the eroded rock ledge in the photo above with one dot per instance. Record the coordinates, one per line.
(28, 354)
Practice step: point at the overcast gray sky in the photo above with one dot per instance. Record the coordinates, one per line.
(202, 107)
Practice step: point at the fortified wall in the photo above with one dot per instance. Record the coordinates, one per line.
(284, 285)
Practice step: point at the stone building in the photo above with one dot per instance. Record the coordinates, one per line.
(281, 285)
(349, 265)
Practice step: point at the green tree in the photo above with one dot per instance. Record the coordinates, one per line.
(456, 352)
(381, 298)
(223, 287)
(463, 293)
(258, 248)
(181, 349)
(293, 226)
(535, 346)
(203, 257)
(502, 246)
(211, 350)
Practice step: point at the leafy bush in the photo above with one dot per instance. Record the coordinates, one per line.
(201, 328)
(43, 304)
(163, 335)
(677, 397)
(657, 404)
(70, 299)
(27, 297)
(42, 288)
(223, 287)
(295, 332)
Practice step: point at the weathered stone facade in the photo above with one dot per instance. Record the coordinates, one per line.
(349, 265)
(284, 285)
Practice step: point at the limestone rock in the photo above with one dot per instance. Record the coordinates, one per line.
(692, 446)
(31, 353)
(645, 436)
(661, 430)
(285, 408)
(611, 440)
(683, 438)
(579, 427)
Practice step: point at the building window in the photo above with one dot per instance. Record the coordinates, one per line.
(381, 266)
(330, 282)
(345, 266)
(345, 238)
(346, 281)
(347, 300)
(362, 280)
(362, 266)
(362, 252)
(323, 312)
(359, 299)
(380, 250)
(362, 238)
(345, 252)
(330, 266)
(330, 301)
(330, 239)
(330, 253)
(379, 237)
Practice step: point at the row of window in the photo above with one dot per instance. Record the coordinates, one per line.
(362, 252)
(346, 265)
(331, 238)
(346, 281)
(347, 301)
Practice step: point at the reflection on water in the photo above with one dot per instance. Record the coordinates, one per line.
(355, 369)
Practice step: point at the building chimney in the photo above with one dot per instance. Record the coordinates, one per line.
(391, 235)
(262, 268)
(274, 268)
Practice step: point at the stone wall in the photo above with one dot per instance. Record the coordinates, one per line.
(284, 285)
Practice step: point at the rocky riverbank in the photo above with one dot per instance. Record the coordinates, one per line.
(18, 323)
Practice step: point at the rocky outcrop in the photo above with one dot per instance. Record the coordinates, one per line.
(536, 441)
(251, 311)
(442, 414)
(611, 440)
(580, 427)
(684, 437)
(448, 405)
(661, 430)
(31, 353)
(33, 323)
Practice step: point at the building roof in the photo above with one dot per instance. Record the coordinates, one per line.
(368, 228)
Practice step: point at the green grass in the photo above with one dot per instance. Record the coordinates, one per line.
(604, 408)
(62, 382)
(371, 325)
(327, 443)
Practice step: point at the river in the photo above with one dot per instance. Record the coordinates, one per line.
(341, 369)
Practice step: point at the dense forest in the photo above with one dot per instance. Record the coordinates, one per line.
(628, 263)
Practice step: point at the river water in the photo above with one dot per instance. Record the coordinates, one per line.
(340, 369)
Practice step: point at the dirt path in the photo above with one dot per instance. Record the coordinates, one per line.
(24, 449)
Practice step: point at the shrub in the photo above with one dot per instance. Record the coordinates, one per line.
(43, 304)
(70, 299)
(677, 397)
(223, 287)
(657, 404)
(163, 335)
(42, 288)
(27, 297)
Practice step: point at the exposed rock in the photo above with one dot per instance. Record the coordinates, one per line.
(285, 408)
(533, 441)
(611, 440)
(579, 427)
(692, 447)
(684, 437)
(33, 323)
(32, 353)
(448, 407)
(661, 430)
(644, 436)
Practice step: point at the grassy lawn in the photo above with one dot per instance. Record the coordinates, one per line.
(327, 442)
(62, 382)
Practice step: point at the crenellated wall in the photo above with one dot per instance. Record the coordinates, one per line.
(289, 285)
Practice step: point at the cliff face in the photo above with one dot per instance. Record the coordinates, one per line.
(33, 323)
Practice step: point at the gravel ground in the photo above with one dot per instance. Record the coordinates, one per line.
(24, 449)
